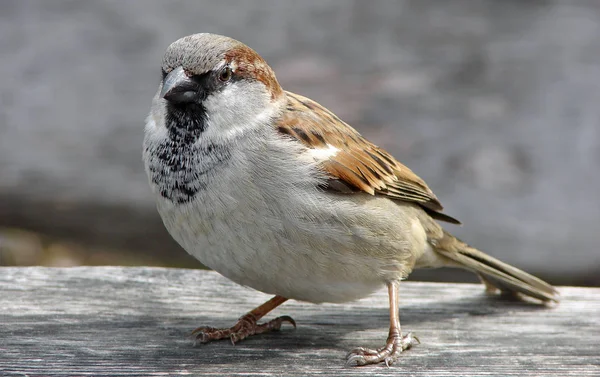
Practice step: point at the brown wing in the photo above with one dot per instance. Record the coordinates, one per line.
(358, 164)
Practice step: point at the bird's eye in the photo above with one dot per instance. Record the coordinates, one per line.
(225, 74)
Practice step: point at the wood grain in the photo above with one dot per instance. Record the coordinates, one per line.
(114, 321)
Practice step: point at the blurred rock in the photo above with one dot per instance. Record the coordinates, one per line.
(19, 248)
(494, 103)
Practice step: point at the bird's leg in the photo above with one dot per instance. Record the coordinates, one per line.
(247, 325)
(490, 288)
(395, 344)
(493, 289)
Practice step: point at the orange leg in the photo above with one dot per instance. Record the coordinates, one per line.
(395, 344)
(247, 325)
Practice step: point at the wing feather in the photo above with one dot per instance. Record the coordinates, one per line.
(358, 165)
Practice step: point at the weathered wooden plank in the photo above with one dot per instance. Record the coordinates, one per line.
(135, 321)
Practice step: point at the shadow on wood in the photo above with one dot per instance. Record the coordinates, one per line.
(115, 321)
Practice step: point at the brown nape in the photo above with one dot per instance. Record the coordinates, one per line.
(253, 67)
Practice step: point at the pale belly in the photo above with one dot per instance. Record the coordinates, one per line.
(327, 254)
(266, 225)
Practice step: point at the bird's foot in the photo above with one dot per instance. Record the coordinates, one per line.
(389, 353)
(245, 326)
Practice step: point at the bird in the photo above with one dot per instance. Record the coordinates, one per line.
(277, 193)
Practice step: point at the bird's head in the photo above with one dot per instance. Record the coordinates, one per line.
(215, 81)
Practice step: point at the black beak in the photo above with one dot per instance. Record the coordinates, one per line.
(179, 88)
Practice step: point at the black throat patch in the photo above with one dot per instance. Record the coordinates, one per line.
(180, 166)
(185, 123)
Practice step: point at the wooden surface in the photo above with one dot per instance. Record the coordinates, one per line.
(113, 321)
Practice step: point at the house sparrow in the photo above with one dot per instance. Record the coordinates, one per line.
(275, 192)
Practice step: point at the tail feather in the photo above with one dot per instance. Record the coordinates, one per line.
(502, 275)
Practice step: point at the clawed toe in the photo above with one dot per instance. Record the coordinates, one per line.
(245, 327)
(409, 340)
(207, 334)
(357, 351)
(389, 353)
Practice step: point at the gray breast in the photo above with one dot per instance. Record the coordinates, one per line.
(179, 171)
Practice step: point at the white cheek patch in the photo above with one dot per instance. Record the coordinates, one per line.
(155, 121)
(237, 108)
(320, 154)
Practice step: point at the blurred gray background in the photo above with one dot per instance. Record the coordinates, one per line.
(495, 103)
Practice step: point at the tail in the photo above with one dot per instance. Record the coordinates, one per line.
(494, 273)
